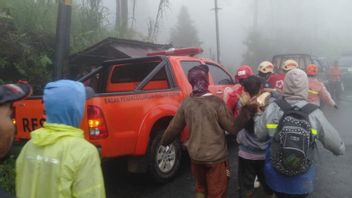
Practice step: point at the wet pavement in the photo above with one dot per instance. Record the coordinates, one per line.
(333, 178)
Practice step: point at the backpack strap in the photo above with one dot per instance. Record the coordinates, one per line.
(284, 105)
(309, 108)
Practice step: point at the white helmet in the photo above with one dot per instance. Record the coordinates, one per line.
(289, 64)
(266, 67)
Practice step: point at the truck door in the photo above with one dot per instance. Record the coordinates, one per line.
(221, 79)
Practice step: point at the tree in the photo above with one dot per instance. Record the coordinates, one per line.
(153, 25)
(185, 33)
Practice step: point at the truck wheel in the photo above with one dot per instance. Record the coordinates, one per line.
(164, 164)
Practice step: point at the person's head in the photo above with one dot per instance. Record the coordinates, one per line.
(265, 69)
(199, 80)
(252, 85)
(243, 72)
(312, 70)
(9, 93)
(289, 65)
(64, 102)
(296, 85)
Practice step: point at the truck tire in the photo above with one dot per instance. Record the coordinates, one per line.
(163, 165)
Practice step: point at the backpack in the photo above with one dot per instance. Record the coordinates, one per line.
(293, 142)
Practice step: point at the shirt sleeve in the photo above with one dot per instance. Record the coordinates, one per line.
(327, 134)
(176, 125)
(267, 122)
(226, 119)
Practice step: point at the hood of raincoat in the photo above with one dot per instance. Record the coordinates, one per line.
(64, 102)
(296, 85)
(51, 133)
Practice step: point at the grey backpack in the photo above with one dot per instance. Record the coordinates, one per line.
(293, 142)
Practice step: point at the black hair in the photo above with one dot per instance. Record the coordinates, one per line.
(252, 85)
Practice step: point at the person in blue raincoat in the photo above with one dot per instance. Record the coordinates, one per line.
(58, 161)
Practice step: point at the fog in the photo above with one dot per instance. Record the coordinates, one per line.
(318, 27)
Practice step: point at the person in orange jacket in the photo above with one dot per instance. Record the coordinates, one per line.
(334, 76)
(317, 90)
(277, 80)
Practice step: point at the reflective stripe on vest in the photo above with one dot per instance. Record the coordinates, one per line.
(313, 92)
(274, 126)
(271, 126)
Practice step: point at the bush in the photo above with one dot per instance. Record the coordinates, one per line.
(7, 174)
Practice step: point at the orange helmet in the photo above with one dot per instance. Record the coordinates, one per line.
(312, 70)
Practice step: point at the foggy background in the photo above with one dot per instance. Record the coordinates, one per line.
(319, 27)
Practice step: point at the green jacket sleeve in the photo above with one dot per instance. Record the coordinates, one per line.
(89, 182)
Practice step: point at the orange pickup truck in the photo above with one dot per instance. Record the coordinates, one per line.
(134, 102)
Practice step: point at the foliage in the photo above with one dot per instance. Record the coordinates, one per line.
(7, 174)
(154, 24)
(184, 34)
(27, 36)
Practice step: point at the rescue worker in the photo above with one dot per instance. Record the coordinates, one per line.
(207, 118)
(265, 70)
(334, 76)
(58, 161)
(317, 90)
(277, 80)
(295, 92)
(9, 93)
(237, 93)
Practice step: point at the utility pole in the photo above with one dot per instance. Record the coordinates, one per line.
(216, 8)
(62, 48)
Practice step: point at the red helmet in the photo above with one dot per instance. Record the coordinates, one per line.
(243, 71)
(312, 70)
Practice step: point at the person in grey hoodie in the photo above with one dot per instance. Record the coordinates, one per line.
(295, 92)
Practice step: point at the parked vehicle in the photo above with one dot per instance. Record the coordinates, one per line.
(303, 60)
(135, 100)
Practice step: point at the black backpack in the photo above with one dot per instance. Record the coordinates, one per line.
(293, 142)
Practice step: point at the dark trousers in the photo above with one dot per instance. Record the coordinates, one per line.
(247, 171)
(335, 90)
(211, 179)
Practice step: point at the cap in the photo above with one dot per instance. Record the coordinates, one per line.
(14, 92)
(244, 71)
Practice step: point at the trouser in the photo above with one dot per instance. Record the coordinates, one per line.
(335, 90)
(283, 195)
(211, 179)
(247, 171)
